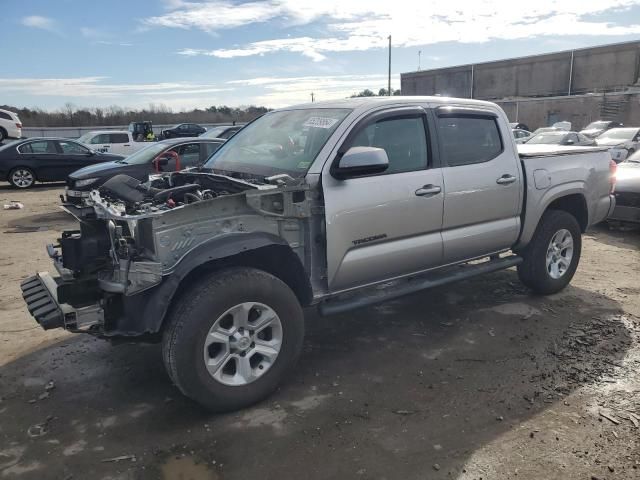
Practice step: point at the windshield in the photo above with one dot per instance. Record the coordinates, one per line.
(619, 134)
(596, 125)
(146, 154)
(549, 138)
(85, 138)
(279, 142)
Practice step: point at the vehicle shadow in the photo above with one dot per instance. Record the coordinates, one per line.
(40, 222)
(627, 236)
(38, 187)
(384, 392)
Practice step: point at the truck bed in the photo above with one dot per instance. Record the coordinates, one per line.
(552, 171)
(528, 151)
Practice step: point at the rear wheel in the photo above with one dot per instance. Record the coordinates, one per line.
(3, 134)
(233, 338)
(22, 177)
(552, 257)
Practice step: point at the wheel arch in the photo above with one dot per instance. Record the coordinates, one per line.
(570, 199)
(145, 313)
(574, 204)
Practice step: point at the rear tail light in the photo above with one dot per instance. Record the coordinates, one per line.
(19, 125)
(613, 168)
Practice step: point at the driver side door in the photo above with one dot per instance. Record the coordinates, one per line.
(72, 157)
(385, 225)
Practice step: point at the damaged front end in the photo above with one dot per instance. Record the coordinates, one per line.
(116, 274)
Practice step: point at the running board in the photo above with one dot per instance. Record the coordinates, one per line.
(384, 292)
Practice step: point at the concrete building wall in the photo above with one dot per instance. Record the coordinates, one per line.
(606, 68)
(596, 69)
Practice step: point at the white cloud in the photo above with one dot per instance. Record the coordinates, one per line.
(98, 88)
(90, 32)
(37, 21)
(359, 26)
(280, 92)
(268, 91)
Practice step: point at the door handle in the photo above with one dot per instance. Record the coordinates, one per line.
(506, 179)
(428, 190)
(127, 145)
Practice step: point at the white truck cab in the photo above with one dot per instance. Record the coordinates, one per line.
(119, 142)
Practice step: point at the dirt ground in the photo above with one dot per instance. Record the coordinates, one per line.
(478, 380)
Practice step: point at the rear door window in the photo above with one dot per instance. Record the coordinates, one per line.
(5, 116)
(118, 138)
(39, 147)
(465, 140)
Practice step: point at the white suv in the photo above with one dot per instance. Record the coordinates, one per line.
(10, 125)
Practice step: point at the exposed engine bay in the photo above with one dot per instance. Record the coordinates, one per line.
(129, 196)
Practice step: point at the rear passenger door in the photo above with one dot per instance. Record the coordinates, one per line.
(73, 156)
(120, 144)
(482, 183)
(41, 156)
(385, 225)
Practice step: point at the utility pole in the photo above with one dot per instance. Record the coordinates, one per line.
(312, 97)
(389, 76)
(419, 55)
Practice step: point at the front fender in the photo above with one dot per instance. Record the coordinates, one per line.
(144, 313)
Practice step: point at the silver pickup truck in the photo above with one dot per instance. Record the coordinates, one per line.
(336, 205)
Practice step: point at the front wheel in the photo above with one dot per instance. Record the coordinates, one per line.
(233, 338)
(552, 257)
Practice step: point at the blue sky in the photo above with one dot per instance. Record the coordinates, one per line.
(186, 54)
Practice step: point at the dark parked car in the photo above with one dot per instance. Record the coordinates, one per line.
(560, 137)
(627, 191)
(164, 156)
(222, 131)
(596, 128)
(27, 161)
(519, 126)
(183, 130)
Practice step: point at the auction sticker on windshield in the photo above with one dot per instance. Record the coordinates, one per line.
(320, 122)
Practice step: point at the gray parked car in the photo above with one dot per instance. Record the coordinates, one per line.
(622, 142)
(336, 205)
(627, 191)
(595, 129)
(560, 137)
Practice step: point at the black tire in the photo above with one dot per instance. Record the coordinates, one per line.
(196, 312)
(533, 271)
(3, 134)
(22, 185)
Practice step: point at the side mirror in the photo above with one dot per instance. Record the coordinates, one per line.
(358, 161)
